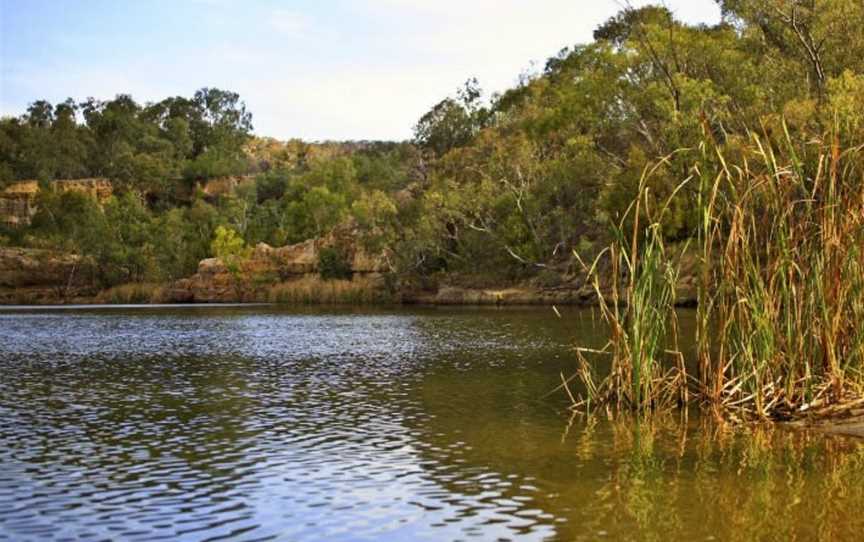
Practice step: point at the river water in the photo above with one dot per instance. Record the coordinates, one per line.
(257, 423)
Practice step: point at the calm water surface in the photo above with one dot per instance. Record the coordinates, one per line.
(408, 424)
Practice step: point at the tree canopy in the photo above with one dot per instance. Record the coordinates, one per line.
(145, 147)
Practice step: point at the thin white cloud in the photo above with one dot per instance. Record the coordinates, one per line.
(289, 22)
(372, 83)
(496, 40)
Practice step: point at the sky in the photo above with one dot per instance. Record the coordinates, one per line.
(313, 69)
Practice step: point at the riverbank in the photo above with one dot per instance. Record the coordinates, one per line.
(310, 291)
(290, 275)
(305, 291)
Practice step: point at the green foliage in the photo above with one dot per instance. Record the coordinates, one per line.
(376, 214)
(452, 123)
(333, 264)
(145, 148)
(116, 238)
(227, 244)
(316, 212)
(384, 166)
(124, 239)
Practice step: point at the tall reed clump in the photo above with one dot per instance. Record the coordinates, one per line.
(782, 287)
(636, 288)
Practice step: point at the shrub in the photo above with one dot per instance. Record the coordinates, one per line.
(549, 278)
(333, 264)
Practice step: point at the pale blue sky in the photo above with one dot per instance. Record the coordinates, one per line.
(326, 69)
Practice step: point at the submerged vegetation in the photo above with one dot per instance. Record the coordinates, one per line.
(738, 142)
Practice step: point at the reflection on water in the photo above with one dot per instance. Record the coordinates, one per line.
(259, 424)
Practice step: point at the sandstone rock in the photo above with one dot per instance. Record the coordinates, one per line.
(18, 201)
(267, 266)
(222, 186)
(300, 258)
(179, 292)
(211, 267)
(363, 262)
(33, 276)
(22, 267)
(99, 188)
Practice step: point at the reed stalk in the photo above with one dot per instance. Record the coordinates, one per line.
(636, 291)
(785, 294)
(780, 289)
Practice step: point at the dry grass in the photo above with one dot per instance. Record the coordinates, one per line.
(784, 296)
(314, 291)
(132, 294)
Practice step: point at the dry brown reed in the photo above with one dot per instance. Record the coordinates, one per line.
(781, 290)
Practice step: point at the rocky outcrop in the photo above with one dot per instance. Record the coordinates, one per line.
(223, 186)
(292, 274)
(520, 295)
(17, 203)
(99, 188)
(267, 267)
(23, 267)
(297, 259)
(34, 275)
(560, 286)
(451, 295)
(18, 200)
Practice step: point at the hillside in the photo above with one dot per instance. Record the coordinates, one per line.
(494, 192)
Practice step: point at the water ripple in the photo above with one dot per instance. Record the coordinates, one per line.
(239, 425)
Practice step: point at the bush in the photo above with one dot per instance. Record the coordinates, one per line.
(548, 278)
(333, 264)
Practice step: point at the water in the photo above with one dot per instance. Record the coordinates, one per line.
(254, 423)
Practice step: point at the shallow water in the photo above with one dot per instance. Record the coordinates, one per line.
(407, 424)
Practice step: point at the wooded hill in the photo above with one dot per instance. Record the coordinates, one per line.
(491, 190)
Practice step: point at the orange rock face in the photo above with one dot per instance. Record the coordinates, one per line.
(18, 200)
(216, 282)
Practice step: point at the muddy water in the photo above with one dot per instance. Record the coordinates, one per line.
(409, 424)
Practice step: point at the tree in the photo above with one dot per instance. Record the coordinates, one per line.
(452, 123)
(227, 243)
(315, 214)
(377, 216)
(229, 247)
(821, 36)
(70, 144)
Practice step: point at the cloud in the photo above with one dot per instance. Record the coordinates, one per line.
(352, 69)
(289, 22)
(496, 40)
(355, 104)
